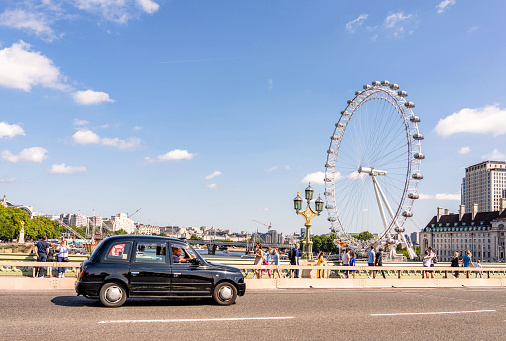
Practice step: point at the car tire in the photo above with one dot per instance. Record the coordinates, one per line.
(225, 293)
(113, 295)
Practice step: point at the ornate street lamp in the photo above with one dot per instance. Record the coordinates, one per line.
(308, 214)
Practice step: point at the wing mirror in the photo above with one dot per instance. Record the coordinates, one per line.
(195, 261)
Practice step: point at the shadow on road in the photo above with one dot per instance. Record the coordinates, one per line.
(80, 301)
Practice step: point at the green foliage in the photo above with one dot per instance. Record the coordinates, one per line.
(325, 243)
(195, 237)
(120, 231)
(10, 225)
(365, 235)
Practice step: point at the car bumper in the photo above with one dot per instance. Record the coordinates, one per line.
(86, 289)
(241, 289)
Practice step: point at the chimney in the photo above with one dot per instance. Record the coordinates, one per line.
(475, 210)
(446, 211)
(503, 205)
(439, 213)
(462, 211)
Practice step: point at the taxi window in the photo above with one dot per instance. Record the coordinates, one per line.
(150, 252)
(119, 251)
(182, 254)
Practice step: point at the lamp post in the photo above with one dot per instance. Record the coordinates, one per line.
(308, 214)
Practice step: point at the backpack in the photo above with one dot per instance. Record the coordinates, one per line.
(291, 255)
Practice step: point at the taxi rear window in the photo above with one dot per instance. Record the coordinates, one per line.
(119, 251)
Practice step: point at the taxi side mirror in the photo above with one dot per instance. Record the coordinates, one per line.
(195, 261)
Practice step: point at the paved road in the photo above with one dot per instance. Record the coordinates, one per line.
(476, 314)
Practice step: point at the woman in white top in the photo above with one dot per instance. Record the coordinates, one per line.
(427, 259)
(63, 256)
(259, 258)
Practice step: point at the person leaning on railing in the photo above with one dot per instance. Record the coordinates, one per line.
(455, 264)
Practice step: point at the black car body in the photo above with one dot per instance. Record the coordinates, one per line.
(149, 266)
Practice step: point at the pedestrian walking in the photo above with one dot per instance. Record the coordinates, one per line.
(455, 264)
(275, 261)
(467, 261)
(433, 260)
(294, 260)
(41, 250)
(478, 265)
(346, 262)
(267, 258)
(379, 260)
(371, 258)
(352, 263)
(426, 263)
(63, 256)
(259, 257)
(320, 262)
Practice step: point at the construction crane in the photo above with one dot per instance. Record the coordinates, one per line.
(268, 226)
(129, 215)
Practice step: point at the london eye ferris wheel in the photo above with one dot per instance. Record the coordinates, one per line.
(373, 166)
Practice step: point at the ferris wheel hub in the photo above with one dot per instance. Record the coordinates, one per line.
(371, 171)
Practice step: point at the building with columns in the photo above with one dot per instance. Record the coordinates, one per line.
(482, 233)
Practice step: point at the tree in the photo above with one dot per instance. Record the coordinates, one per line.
(195, 237)
(120, 231)
(365, 235)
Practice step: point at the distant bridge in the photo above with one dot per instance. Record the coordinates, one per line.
(212, 245)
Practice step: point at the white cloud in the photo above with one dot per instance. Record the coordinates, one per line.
(21, 68)
(89, 97)
(393, 19)
(7, 181)
(176, 154)
(273, 168)
(10, 130)
(400, 23)
(356, 175)
(355, 23)
(34, 154)
(33, 23)
(495, 155)
(137, 128)
(264, 209)
(365, 209)
(464, 150)
(213, 175)
(148, 6)
(89, 137)
(63, 169)
(487, 120)
(119, 11)
(472, 29)
(440, 196)
(212, 186)
(444, 5)
(78, 122)
(269, 82)
(316, 178)
(86, 137)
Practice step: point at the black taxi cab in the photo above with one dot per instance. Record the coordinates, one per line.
(150, 266)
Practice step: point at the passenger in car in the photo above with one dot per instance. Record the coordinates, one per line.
(177, 256)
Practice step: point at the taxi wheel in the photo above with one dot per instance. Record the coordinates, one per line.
(225, 293)
(113, 295)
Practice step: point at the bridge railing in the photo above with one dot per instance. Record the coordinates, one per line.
(21, 268)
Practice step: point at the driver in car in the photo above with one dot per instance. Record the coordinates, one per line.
(177, 256)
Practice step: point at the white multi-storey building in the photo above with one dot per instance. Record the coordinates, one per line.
(120, 221)
(484, 184)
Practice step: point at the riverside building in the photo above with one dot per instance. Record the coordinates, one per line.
(482, 233)
(484, 184)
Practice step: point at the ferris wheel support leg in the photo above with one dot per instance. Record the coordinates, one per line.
(382, 212)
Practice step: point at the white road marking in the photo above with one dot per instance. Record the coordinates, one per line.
(200, 320)
(437, 313)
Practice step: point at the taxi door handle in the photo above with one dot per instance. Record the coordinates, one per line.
(177, 274)
(135, 273)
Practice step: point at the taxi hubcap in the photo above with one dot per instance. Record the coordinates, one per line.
(113, 294)
(225, 293)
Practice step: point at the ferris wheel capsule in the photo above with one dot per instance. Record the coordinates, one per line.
(350, 101)
(331, 219)
(357, 93)
(417, 176)
(394, 86)
(385, 83)
(344, 112)
(413, 196)
(334, 137)
(407, 214)
(399, 229)
(415, 119)
(376, 83)
(419, 156)
(330, 151)
(418, 137)
(402, 93)
(367, 87)
(339, 124)
(409, 105)
(327, 180)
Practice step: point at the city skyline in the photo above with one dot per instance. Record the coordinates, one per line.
(217, 114)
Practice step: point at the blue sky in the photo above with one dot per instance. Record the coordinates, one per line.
(213, 112)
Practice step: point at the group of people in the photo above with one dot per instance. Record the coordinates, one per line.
(375, 259)
(430, 259)
(270, 256)
(44, 249)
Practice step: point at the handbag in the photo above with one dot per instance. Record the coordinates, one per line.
(65, 259)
